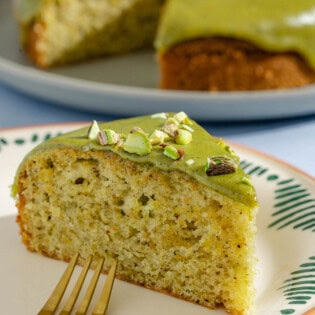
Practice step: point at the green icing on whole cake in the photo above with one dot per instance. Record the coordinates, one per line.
(203, 146)
(27, 10)
(281, 25)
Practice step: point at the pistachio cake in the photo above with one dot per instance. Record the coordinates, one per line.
(202, 45)
(58, 32)
(225, 45)
(159, 193)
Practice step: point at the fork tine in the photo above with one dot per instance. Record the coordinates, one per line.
(54, 300)
(77, 288)
(102, 304)
(88, 296)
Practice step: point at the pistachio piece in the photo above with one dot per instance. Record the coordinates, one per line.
(93, 131)
(159, 115)
(188, 128)
(171, 121)
(190, 162)
(170, 129)
(108, 136)
(171, 152)
(101, 137)
(112, 136)
(134, 129)
(245, 180)
(182, 136)
(182, 118)
(220, 165)
(158, 137)
(137, 142)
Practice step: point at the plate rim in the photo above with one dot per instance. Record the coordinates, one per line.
(7, 66)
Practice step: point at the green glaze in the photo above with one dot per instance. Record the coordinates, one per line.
(275, 25)
(202, 146)
(27, 9)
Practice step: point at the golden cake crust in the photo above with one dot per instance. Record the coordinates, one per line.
(226, 64)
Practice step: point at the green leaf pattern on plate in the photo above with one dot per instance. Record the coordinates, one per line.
(34, 138)
(294, 206)
(300, 287)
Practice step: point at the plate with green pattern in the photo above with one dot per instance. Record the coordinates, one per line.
(285, 279)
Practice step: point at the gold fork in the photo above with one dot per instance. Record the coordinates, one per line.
(100, 309)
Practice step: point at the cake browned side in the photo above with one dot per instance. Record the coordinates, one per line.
(226, 64)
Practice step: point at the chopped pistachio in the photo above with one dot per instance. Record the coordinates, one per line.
(108, 136)
(171, 121)
(137, 142)
(158, 137)
(183, 136)
(101, 137)
(135, 129)
(112, 136)
(170, 129)
(159, 115)
(245, 180)
(171, 152)
(188, 128)
(190, 162)
(220, 165)
(182, 118)
(93, 131)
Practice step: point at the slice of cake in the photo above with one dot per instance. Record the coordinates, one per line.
(224, 45)
(58, 32)
(157, 192)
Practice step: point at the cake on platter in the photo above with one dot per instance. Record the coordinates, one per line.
(224, 45)
(201, 45)
(159, 193)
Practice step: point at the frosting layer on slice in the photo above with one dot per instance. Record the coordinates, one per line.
(193, 160)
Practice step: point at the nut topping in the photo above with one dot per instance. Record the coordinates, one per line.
(220, 165)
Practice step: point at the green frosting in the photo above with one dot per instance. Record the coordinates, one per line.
(27, 9)
(203, 145)
(281, 25)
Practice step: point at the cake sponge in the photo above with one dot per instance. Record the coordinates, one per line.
(183, 225)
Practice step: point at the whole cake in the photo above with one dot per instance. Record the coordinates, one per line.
(202, 45)
(159, 193)
(236, 45)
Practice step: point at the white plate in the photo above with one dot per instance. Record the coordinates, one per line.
(126, 85)
(286, 238)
